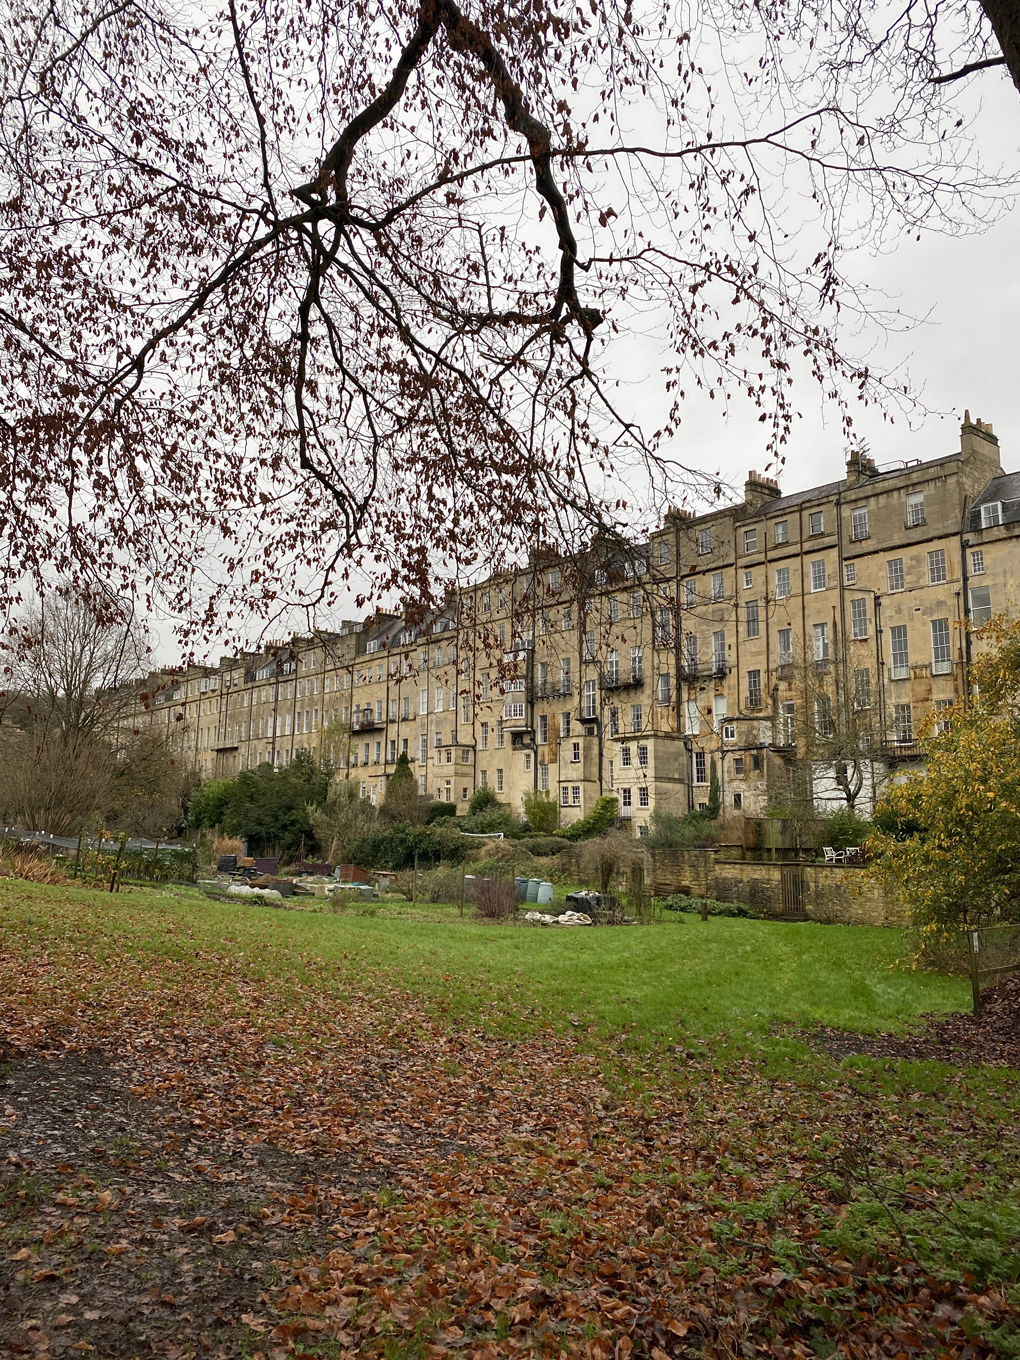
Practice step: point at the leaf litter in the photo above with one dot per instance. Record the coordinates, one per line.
(197, 1162)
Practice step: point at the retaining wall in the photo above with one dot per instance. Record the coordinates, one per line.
(831, 893)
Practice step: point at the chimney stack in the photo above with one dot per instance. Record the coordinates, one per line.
(977, 439)
(758, 490)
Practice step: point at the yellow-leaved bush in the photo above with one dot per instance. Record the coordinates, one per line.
(948, 838)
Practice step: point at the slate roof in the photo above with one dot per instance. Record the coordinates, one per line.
(1005, 489)
(795, 498)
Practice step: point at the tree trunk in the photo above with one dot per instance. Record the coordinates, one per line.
(1004, 16)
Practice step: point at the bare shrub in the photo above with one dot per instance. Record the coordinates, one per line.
(55, 786)
(494, 898)
(605, 858)
(437, 885)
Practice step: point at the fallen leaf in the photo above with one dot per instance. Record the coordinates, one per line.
(225, 1237)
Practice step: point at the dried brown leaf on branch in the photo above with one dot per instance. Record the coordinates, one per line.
(304, 294)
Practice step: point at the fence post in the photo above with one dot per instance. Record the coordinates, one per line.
(116, 863)
(704, 908)
(77, 858)
(975, 974)
(463, 880)
(414, 882)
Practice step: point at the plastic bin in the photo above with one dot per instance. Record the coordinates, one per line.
(521, 889)
(533, 886)
(545, 894)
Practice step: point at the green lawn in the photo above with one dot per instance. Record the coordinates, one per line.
(734, 976)
(703, 1019)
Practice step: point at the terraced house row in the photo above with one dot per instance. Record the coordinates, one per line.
(781, 639)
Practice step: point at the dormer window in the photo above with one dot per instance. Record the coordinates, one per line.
(991, 515)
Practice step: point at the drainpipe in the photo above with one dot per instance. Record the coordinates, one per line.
(880, 663)
(965, 646)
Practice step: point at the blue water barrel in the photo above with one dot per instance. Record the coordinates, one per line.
(545, 894)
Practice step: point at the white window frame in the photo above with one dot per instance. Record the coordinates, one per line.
(899, 647)
(941, 647)
(590, 700)
(980, 613)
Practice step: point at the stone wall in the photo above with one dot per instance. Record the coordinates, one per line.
(831, 893)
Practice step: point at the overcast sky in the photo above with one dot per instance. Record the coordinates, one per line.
(965, 356)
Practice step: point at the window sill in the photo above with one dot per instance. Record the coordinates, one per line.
(915, 524)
